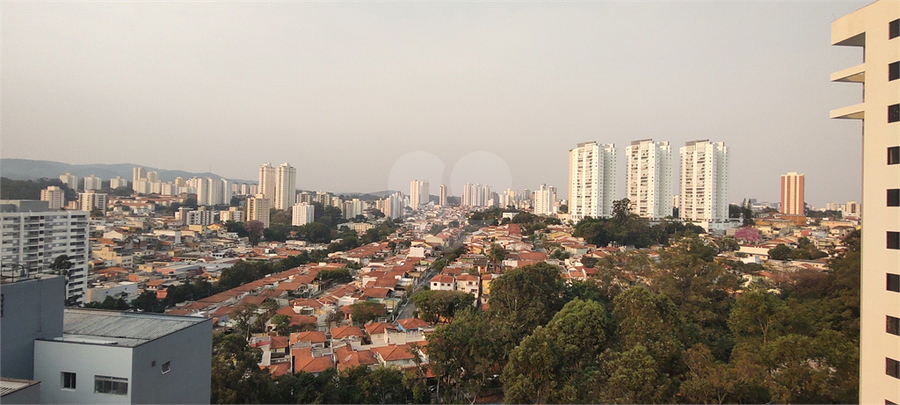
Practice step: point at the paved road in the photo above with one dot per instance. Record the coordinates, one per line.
(406, 311)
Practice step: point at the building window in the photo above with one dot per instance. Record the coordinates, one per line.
(893, 325)
(894, 155)
(893, 240)
(894, 29)
(893, 282)
(894, 71)
(68, 380)
(893, 197)
(894, 113)
(892, 367)
(166, 367)
(110, 385)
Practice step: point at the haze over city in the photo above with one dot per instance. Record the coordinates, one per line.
(367, 96)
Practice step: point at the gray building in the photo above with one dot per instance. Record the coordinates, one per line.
(32, 308)
(126, 357)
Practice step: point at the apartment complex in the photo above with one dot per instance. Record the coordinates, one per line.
(704, 182)
(592, 180)
(54, 196)
(258, 208)
(650, 178)
(792, 202)
(267, 181)
(285, 186)
(303, 214)
(419, 193)
(33, 236)
(545, 200)
(876, 29)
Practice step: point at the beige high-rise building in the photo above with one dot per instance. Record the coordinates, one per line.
(792, 202)
(650, 178)
(55, 196)
(592, 180)
(258, 208)
(443, 196)
(92, 183)
(69, 180)
(876, 29)
(419, 193)
(285, 186)
(267, 181)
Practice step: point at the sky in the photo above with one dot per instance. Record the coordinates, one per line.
(366, 96)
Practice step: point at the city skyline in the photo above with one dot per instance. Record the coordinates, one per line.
(441, 92)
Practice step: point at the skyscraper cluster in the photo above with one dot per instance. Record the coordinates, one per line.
(419, 193)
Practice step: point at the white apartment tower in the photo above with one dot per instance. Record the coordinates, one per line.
(54, 196)
(592, 180)
(545, 200)
(92, 183)
(285, 186)
(792, 202)
(258, 208)
(704, 182)
(419, 193)
(650, 178)
(443, 196)
(475, 195)
(303, 214)
(90, 201)
(25, 244)
(117, 182)
(69, 180)
(876, 29)
(267, 181)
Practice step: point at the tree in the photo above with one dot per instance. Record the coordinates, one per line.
(282, 324)
(621, 208)
(497, 254)
(780, 252)
(758, 314)
(365, 311)
(463, 355)
(525, 298)
(437, 306)
(254, 230)
(236, 376)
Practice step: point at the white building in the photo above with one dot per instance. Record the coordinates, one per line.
(545, 200)
(475, 195)
(69, 180)
(650, 178)
(201, 216)
(876, 30)
(54, 196)
(267, 181)
(106, 357)
(33, 237)
(285, 186)
(392, 206)
(592, 180)
(125, 290)
(258, 208)
(227, 191)
(117, 182)
(90, 201)
(138, 173)
(419, 193)
(233, 214)
(152, 176)
(353, 208)
(443, 196)
(303, 214)
(92, 183)
(704, 182)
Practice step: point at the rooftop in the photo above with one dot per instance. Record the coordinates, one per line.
(127, 329)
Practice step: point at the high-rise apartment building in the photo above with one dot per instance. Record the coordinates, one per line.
(876, 29)
(91, 200)
(650, 178)
(267, 181)
(227, 191)
(138, 173)
(443, 196)
(33, 237)
(285, 186)
(476, 195)
(592, 180)
(54, 196)
(419, 193)
(117, 182)
(92, 183)
(258, 208)
(704, 182)
(545, 200)
(792, 202)
(303, 214)
(70, 181)
(392, 206)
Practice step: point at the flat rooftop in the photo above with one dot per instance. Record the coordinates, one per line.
(116, 328)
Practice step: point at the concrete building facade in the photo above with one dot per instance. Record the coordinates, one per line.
(792, 189)
(649, 178)
(285, 186)
(545, 200)
(303, 214)
(875, 29)
(592, 180)
(258, 208)
(267, 181)
(704, 182)
(54, 196)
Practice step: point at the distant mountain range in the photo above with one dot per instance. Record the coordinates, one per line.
(26, 169)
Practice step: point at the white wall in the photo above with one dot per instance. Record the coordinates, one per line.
(51, 358)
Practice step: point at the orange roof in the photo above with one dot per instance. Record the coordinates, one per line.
(311, 336)
(394, 352)
(412, 323)
(279, 369)
(377, 328)
(341, 332)
(356, 358)
(279, 342)
(376, 292)
(304, 361)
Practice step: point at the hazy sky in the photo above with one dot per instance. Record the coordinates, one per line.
(362, 96)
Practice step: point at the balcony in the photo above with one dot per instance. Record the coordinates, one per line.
(855, 74)
(853, 112)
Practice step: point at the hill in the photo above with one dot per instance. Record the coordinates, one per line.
(26, 169)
